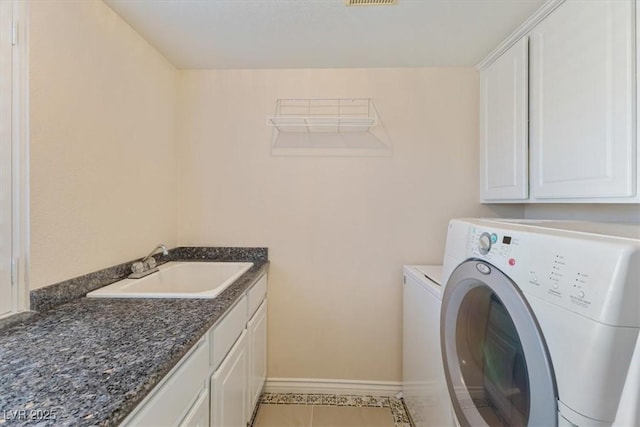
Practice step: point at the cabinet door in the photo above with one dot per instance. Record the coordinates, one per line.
(198, 415)
(229, 388)
(582, 101)
(257, 334)
(504, 173)
(173, 397)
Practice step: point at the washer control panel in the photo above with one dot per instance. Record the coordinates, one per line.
(484, 243)
(580, 274)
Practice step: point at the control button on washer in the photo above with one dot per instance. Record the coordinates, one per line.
(494, 237)
(483, 268)
(512, 262)
(581, 294)
(484, 243)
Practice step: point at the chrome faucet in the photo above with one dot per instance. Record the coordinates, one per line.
(148, 264)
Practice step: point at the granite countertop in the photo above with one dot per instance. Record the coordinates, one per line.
(91, 361)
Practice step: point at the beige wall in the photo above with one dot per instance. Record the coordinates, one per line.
(338, 229)
(102, 113)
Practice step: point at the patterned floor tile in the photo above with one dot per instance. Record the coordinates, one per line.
(398, 412)
(345, 400)
(268, 398)
(328, 399)
(299, 399)
(314, 399)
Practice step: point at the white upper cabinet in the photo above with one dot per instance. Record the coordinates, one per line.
(582, 102)
(503, 126)
(580, 82)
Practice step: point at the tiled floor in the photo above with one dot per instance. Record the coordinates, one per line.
(329, 410)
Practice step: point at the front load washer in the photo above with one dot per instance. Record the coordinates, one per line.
(423, 385)
(539, 322)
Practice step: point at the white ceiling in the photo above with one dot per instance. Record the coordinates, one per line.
(222, 34)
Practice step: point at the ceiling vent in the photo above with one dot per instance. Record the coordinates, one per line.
(370, 2)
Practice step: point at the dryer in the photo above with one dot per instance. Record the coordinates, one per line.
(539, 322)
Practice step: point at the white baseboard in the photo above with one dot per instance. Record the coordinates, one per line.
(328, 386)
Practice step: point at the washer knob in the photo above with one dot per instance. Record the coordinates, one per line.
(484, 243)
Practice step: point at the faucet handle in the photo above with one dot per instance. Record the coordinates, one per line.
(137, 267)
(150, 263)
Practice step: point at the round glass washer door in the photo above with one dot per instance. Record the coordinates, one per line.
(496, 362)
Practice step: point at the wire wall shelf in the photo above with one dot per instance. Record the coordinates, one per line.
(327, 127)
(324, 115)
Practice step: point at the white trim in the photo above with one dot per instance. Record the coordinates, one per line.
(20, 129)
(330, 386)
(636, 64)
(15, 147)
(520, 32)
(8, 292)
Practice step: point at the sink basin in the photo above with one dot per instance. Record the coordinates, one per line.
(178, 280)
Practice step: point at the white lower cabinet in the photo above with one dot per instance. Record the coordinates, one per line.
(198, 416)
(218, 382)
(172, 400)
(229, 388)
(257, 345)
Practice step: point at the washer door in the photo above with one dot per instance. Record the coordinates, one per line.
(495, 358)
